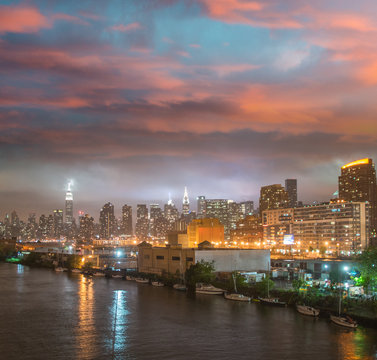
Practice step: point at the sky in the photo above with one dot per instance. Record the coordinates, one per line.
(136, 99)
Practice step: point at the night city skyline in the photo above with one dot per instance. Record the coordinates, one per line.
(134, 100)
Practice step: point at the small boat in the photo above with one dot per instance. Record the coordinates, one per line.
(142, 281)
(345, 321)
(209, 290)
(59, 269)
(237, 297)
(76, 271)
(97, 273)
(157, 283)
(272, 301)
(117, 276)
(130, 278)
(307, 310)
(179, 287)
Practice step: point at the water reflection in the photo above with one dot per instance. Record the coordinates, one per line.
(353, 344)
(86, 325)
(119, 325)
(20, 269)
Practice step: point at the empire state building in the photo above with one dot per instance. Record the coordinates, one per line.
(69, 205)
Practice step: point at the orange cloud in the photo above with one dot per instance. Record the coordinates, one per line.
(128, 27)
(22, 19)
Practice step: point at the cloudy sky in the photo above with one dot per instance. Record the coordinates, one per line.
(135, 99)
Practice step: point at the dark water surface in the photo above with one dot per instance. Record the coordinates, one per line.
(48, 315)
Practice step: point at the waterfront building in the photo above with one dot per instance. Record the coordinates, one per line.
(142, 221)
(291, 189)
(69, 205)
(126, 227)
(333, 228)
(272, 197)
(176, 259)
(201, 206)
(208, 229)
(357, 183)
(107, 221)
(185, 203)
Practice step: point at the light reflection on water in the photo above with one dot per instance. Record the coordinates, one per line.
(20, 269)
(119, 325)
(86, 321)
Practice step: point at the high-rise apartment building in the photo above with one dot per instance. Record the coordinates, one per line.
(357, 182)
(126, 227)
(155, 213)
(272, 197)
(201, 203)
(247, 208)
(142, 221)
(107, 221)
(291, 189)
(69, 205)
(185, 203)
(86, 231)
(218, 209)
(58, 222)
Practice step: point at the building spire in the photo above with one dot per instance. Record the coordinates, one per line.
(170, 201)
(185, 203)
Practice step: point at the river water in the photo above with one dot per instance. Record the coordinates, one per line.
(48, 315)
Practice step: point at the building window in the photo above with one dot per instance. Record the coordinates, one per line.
(175, 258)
(146, 256)
(189, 259)
(160, 257)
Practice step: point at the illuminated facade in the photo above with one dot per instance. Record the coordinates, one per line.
(185, 203)
(272, 197)
(58, 223)
(291, 189)
(207, 229)
(126, 220)
(357, 182)
(201, 202)
(86, 231)
(331, 228)
(142, 221)
(69, 205)
(107, 221)
(248, 232)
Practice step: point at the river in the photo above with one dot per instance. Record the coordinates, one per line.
(48, 315)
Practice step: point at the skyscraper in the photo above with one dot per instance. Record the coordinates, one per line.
(357, 182)
(142, 221)
(107, 221)
(291, 189)
(247, 208)
(58, 223)
(127, 220)
(69, 205)
(201, 206)
(272, 197)
(86, 228)
(185, 203)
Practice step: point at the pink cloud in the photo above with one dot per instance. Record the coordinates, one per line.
(22, 19)
(125, 28)
(69, 18)
(195, 46)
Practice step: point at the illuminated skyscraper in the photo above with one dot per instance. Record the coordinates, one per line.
(142, 221)
(185, 203)
(127, 220)
(272, 197)
(69, 205)
(201, 206)
(291, 189)
(357, 182)
(58, 223)
(107, 221)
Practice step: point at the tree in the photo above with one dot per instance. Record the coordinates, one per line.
(201, 272)
(367, 266)
(297, 284)
(264, 286)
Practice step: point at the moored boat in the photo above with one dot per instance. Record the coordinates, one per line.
(180, 287)
(209, 290)
(237, 297)
(130, 278)
(158, 283)
(76, 271)
(272, 301)
(142, 281)
(97, 273)
(117, 276)
(345, 321)
(59, 269)
(307, 310)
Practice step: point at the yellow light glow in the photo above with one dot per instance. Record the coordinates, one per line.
(357, 162)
